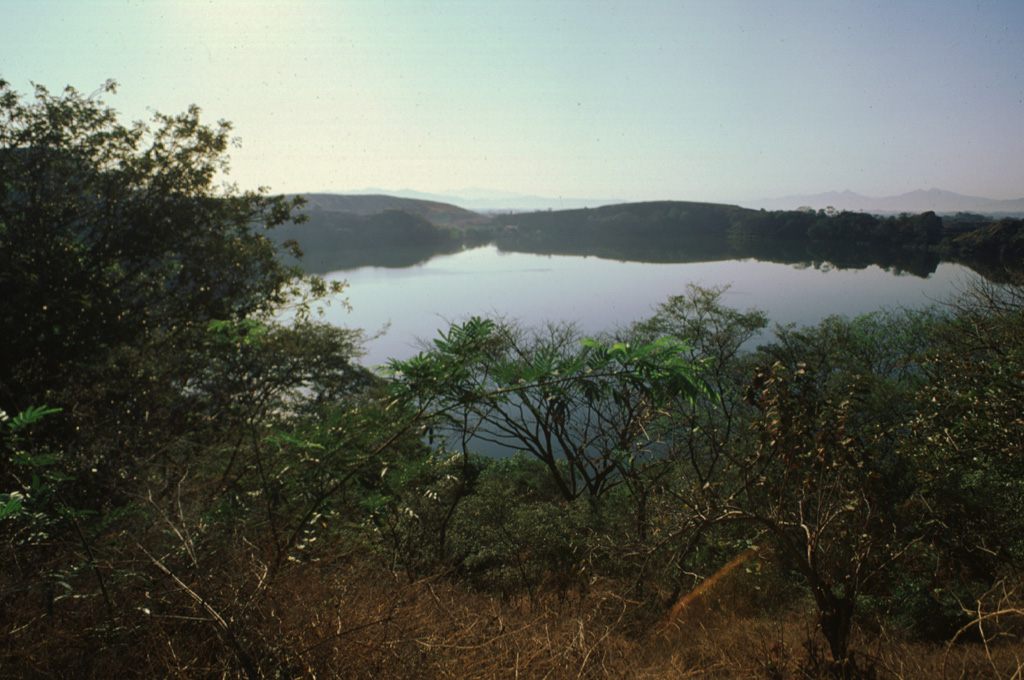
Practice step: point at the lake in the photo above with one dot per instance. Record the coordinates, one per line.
(602, 294)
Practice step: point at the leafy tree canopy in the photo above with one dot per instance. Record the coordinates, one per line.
(111, 234)
(583, 407)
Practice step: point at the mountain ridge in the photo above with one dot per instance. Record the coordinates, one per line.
(440, 213)
(917, 201)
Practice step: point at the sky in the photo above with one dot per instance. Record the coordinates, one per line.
(716, 100)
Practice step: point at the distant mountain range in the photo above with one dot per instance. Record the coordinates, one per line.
(489, 200)
(918, 201)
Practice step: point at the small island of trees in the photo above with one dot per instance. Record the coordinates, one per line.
(198, 479)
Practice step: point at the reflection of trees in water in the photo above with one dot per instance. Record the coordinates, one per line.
(817, 254)
(323, 262)
(994, 271)
(917, 262)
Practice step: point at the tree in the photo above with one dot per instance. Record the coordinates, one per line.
(803, 454)
(111, 235)
(716, 336)
(580, 406)
(815, 482)
(966, 438)
(701, 433)
(118, 248)
(141, 303)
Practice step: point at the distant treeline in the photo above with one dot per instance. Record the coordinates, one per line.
(666, 228)
(666, 231)
(964, 237)
(849, 227)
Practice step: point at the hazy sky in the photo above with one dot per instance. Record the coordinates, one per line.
(717, 100)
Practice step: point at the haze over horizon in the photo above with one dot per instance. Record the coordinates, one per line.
(724, 101)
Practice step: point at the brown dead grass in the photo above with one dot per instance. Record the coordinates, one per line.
(347, 617)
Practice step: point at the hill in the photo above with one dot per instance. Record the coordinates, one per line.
(342, 232)
(653, 219)
(441, 214)
(649, 231)
(490, 200)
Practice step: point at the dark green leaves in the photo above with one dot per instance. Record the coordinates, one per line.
(29, 416)
(551, 393)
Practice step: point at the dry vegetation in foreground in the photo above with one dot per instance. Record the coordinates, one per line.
(350, 618)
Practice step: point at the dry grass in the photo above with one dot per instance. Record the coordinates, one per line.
(346, 617)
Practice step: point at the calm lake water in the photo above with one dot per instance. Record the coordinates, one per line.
(603, 294)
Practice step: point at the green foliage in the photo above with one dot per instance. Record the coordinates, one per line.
(716, 335)
(333, 230)
(658, 231)
(705, 433)
(846, 227)
(1001, 242)
(128, 271)
(202, 453)
(559, 397)
(410, 507)
(801, 447)
(140, 301)
(39, 476)
(871, 360)
(715, 331)
(27, 417)
(515, 534)
(118, 235)
(967, 435)
(926, 605)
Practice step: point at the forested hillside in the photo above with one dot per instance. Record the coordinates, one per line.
(442, 214)
(195, 484)
(338, 232)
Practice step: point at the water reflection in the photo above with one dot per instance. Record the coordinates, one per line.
(602, 294)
